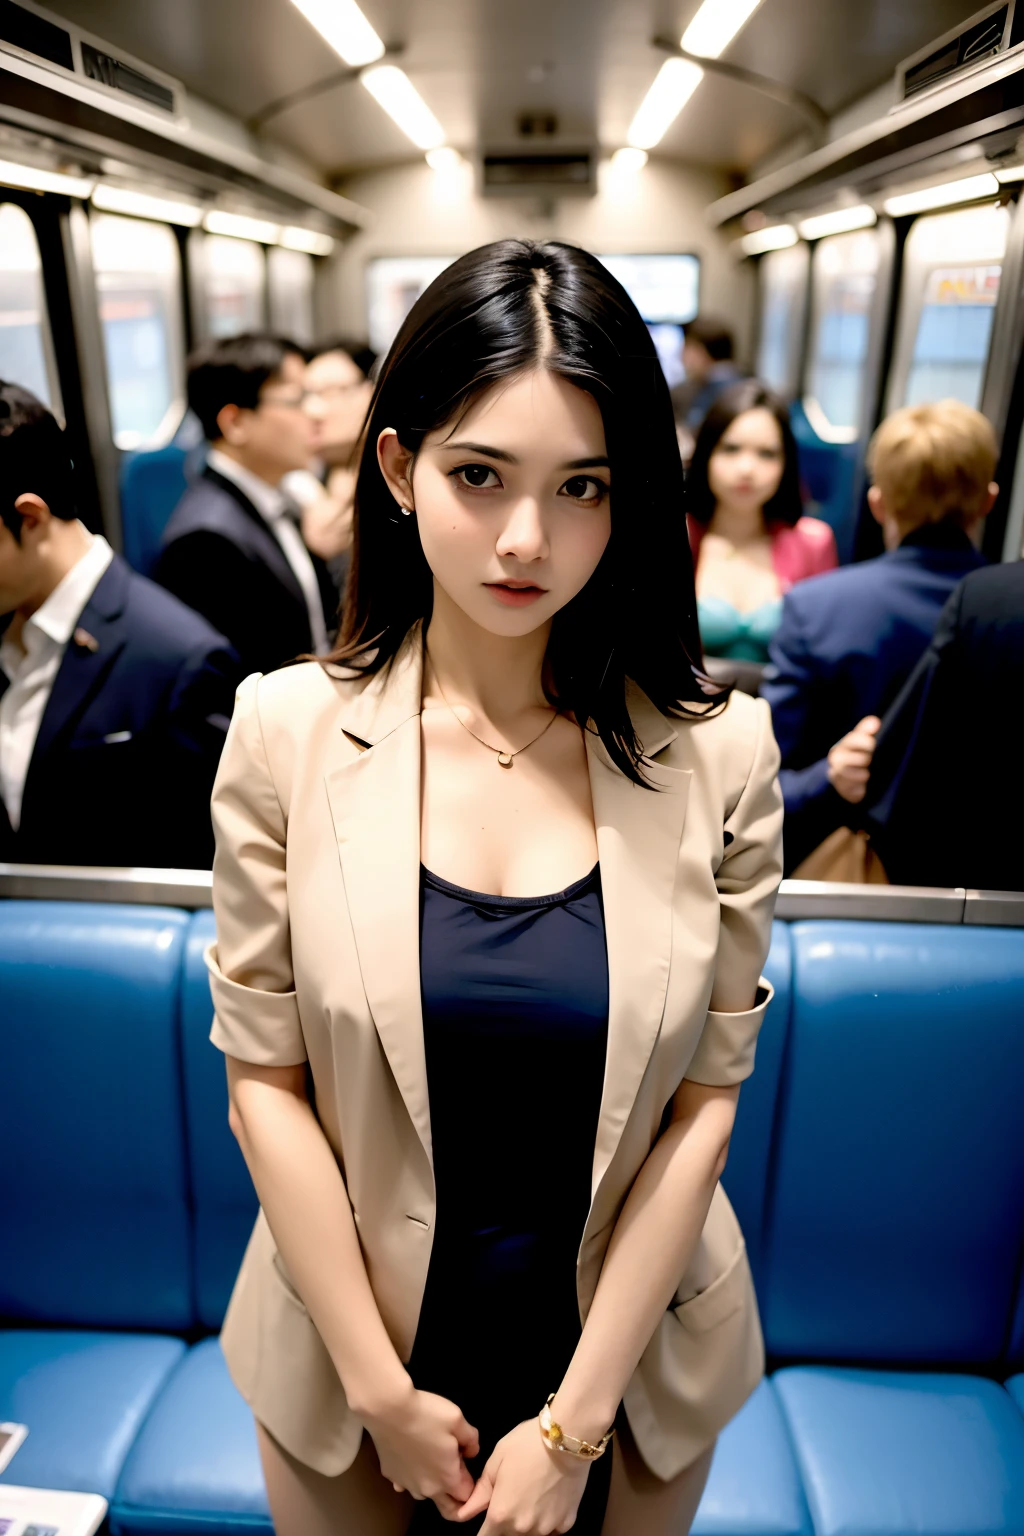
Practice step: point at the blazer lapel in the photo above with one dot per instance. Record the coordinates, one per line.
(375, 806)
(98, 639)
(638, 837)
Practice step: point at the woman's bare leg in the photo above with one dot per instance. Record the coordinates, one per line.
(640, 1504)
(306, 1503)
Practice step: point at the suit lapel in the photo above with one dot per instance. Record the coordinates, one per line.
(638, 836)
(261, 534)
(375, 806)
(88, 656)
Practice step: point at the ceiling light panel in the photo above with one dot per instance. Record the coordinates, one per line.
(241, 227)
(342, 24)
(35, 180)
(629, 161)
(966, 190)
(395, 92)
(715, 25)
(142, 205)
(309, 240)
(1011, 173)
(671, 89)
(775, 238)
(839, 222)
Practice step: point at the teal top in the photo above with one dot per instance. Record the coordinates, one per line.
(736, 636)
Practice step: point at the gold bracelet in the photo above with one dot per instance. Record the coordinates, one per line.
(556, 1439)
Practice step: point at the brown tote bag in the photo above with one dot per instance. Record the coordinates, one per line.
(845, 856)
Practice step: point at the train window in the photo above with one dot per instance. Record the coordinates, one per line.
(234, 285)
(783, 280)
(26, 356)
(951, 271)
(290, 282)
(844, 274)
(393, 284)
(138, 279)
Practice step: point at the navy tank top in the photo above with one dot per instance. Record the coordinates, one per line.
(515, 1022)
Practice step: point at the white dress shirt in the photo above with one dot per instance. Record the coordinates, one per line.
(273, 506)
(32, 668)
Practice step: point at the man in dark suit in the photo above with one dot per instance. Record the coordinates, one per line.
(114, 697)
(232, 549)
(945, 783)
(849, 639)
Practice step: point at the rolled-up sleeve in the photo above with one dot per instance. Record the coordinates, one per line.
(256, 1015)
(748, 881)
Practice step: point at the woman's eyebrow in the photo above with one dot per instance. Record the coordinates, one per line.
(510, 458)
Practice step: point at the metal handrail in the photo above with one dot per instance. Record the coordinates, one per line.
(798, 899)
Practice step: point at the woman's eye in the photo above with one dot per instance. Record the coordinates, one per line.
(476, 476)
(585, 488)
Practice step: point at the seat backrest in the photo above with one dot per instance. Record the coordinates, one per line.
(224, 1200)
(830, 475)
(895, 1214)
(152, 484)
(95, 1227)
(746, 1174)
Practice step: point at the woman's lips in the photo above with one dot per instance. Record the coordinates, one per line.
(514, 596)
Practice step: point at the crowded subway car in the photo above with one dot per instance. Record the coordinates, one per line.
(511, 632)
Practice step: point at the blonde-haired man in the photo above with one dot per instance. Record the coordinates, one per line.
(849, 639)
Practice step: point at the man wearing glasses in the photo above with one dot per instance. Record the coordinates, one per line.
(232, 549)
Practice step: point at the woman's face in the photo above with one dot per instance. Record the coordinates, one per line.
(512, 503)
(745, 470)
(337, 396)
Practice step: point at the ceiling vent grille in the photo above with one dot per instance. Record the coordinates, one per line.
(991, 31)
(551, 175)
(33, 33)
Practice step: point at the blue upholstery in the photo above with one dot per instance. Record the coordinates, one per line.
(152, 484)
(84, 1397)
(747, 1172)
(898, 1186)
(879, 1452)
(754, 1488)
(195, 1466)
(830, 473)
(877, 1167)
(96, 1226)
(225, 1202)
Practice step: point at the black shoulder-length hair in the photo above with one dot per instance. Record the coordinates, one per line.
(786, 506)
(496, 312)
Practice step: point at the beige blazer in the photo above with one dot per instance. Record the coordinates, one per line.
(316, 890)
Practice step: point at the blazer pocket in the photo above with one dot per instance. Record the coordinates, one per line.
(288, 1284)
(724, 1296)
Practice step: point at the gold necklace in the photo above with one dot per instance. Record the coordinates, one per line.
(505, 758)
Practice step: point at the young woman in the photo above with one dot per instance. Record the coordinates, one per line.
(493, 890)
(749, 538)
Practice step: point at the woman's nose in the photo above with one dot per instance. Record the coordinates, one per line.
(524, 536)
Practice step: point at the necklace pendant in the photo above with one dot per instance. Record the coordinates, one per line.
(505, 759)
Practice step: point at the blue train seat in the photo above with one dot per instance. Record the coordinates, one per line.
(152, 484)
(830, 473)
(877, 1167)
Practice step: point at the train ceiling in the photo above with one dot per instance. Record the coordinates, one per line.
(481, 64)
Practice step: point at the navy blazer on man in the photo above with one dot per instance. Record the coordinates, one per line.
(129, 742)
(847, 642)
(221, 558)
(943, 799)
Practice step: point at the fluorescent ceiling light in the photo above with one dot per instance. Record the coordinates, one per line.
(342, 24)
(775, 238)
(142, 206)
(839, 222)
(310, 240)
(1011, 173)
(629, 160)
(241, 227)
(35, 180)
(444, 158)
(671, 89)
(404, 105)
(715, 25)
(963, 191)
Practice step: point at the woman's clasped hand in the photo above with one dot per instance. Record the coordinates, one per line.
(526, 1489)
(422, 1445)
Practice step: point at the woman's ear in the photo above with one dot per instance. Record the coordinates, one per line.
(396, 467)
